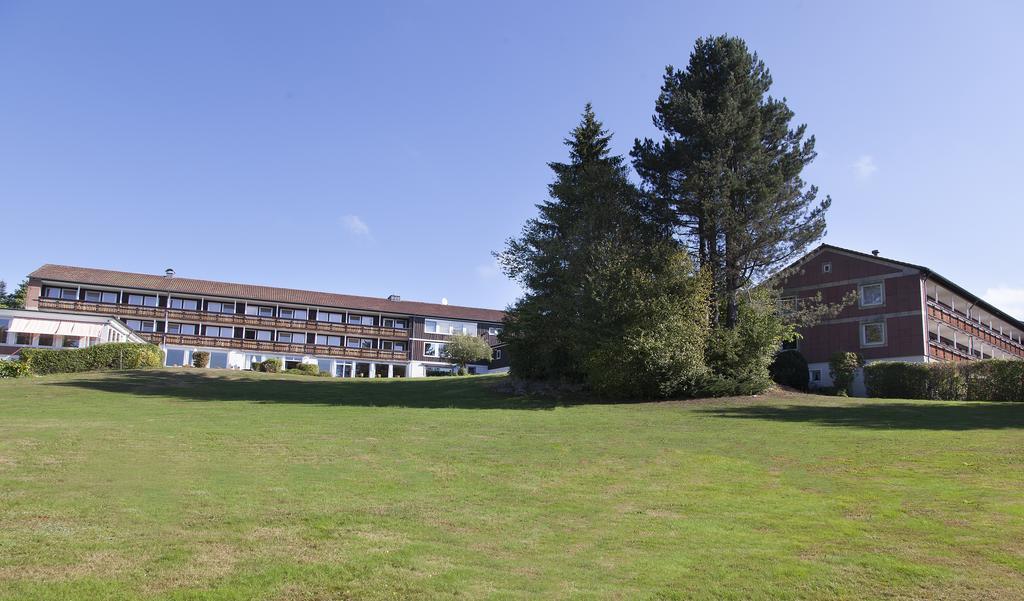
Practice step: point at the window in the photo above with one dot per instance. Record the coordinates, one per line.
(815, 375)
(189, 329)
(220, 331)
(363, 320)
(324, 365)
(97, 296)
(45, 340)
(359, 342)
(787, 305)
(23, 338)
(497, 354)
(493, 331)
(294, 314)
(437, 326)
(142, 300)
(139, 325)
(71, 342)
(826, 267)
(872, 333)
(328, 340)
(219, 307)
(61, 293)
(188, 304)
(218, 360)
(390, 345)
(433, 349)
(175, 357)
(330, 317)
(389, 322)
(259, 311)
(790, 345)
(259, 335)
(292, 337)
(872, 295)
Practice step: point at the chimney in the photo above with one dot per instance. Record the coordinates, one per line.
(169, 273)
(444, 301)
(394, 298)
(874, 252)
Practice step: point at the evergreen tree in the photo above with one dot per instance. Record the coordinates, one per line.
(727, 170)
(16, 300)
(3, 293)
(608, 292)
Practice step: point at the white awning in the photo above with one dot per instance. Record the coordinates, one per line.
(50, 326)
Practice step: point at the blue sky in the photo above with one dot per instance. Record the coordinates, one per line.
(377, 149)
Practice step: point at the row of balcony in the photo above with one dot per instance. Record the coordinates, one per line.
(251, 321)
(993, 337)
(284, 348)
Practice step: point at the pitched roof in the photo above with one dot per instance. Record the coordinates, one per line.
(926, 271)
(142, 281)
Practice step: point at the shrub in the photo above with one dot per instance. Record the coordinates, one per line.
(115, 355)
(271, 366)
(988, 380)
(306, 369)
(200, 359)
(790, 369)
(13, 369)
(843, 368)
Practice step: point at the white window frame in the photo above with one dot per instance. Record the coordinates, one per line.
(497, 354)
(326, 317)
(291, 337)
(493, 331)
(142, 324)
(815, 375)
(223, 305)
(826, 267)
(102, 294)
(433, 349)
(325, 339)
(295, 314)
(220, 331)
(863, 333)
(175, 325)
(143, 300)
(881, 294)
(181, 303)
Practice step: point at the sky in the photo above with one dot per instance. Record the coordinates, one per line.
(390, 148)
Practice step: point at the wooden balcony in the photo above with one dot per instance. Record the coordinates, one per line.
(283, 348)
(248, 321)
(953, 319)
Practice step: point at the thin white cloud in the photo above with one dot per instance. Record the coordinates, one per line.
(1008, 299)
(488, 271)
(355, 226)
(865, 167)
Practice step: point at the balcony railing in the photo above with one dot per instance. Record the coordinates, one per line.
(980, 331)
(250, 321)
(284, 348)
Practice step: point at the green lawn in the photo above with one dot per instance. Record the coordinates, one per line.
(185, 485)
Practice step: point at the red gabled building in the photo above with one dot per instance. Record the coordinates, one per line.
(903, 312)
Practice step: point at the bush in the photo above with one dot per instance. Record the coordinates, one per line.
(895, 380)
(843, 368)
(988, 380)
(200, 359)
(270, 366)
(790, 369)
(305, 369)
(115, 355)
(13, 369)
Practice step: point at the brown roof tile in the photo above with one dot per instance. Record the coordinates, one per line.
(105, 277)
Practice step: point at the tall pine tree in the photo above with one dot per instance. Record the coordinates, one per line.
(727, 170)
(608, 293)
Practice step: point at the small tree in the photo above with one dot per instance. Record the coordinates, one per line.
(463, 348)
(843, 368)
(200, 359)
(16, 299)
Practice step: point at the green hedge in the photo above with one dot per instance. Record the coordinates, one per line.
(309, 369)
(988, 380)
(115, 355)
(271, 366)
(13, 369)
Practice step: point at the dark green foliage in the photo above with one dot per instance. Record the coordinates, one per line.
(896, 380)
(609, 296)
(13, 369)
(116, 355)
(843, 368)
(306, 369)
(462, 349)
(988, 380)
(200, 359)
(727, 170)
(271, 366)
(789, 368)
(16, 299)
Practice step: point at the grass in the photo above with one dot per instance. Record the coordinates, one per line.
(183, 485)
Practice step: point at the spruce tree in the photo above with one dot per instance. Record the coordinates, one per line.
(727, 170)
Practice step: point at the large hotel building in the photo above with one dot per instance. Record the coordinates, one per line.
(240, 324)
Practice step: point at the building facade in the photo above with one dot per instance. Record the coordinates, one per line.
(241, 324)
(20, 329)
(902, 312)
